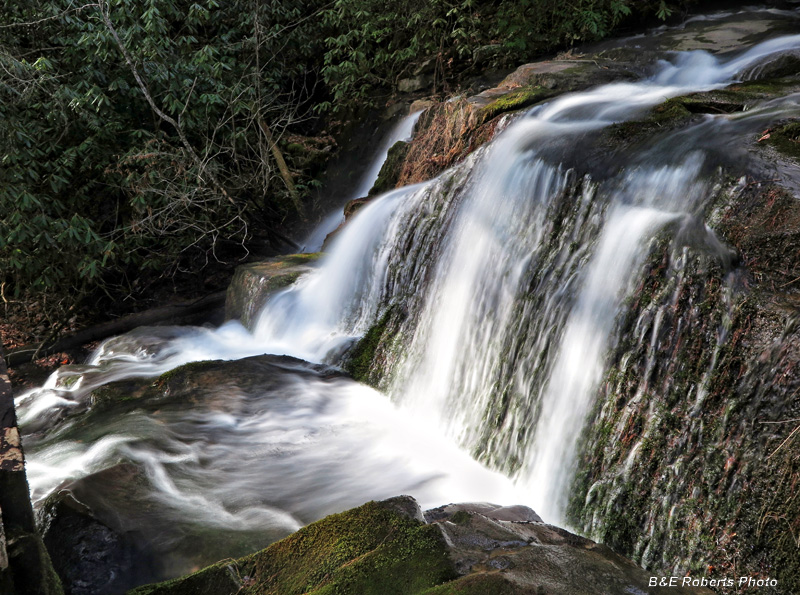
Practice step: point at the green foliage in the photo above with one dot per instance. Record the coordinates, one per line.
(369, 44)
(137, 136)
(95, 185)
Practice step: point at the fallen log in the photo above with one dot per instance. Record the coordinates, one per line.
(190, 312)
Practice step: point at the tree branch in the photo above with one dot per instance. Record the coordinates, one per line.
(103, 5)
(284, 169)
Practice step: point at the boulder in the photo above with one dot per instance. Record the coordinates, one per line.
(89, 556)
(25, 567)
(385, 548)
(255, 282)
(414, 83)
(486, 53)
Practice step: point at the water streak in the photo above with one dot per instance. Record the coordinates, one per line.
(402, 131)
(511, 269)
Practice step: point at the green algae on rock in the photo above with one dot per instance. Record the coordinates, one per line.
(370, 550)
(390, 548)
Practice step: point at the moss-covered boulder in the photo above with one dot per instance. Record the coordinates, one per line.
(30, 570)
(376, 549)
(386, 548)
(254, 283)
(390, 170)
(368, 360)
(786, 139)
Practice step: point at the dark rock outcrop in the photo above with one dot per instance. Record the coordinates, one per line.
(88, 555)
(385, 548)
(25, 567)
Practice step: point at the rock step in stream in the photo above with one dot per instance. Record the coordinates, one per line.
(392, 547)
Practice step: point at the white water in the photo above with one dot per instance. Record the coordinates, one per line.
(512, 281)
(457, 361)
(401, 131)
(274, 458)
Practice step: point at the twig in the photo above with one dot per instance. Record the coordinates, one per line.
(782, 444)
(103, 5)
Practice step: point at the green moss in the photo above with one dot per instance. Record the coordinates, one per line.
(298, 259)
(786, 139)
(670, 114)
(179, 373)
(677, 111)
(516, 100)
(478, 584)
(390, 170)
(370, 550)
(461, 517)
(362, 355)
(281, 281)
(30, 563)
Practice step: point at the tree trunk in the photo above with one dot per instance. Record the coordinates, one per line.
(25, 566)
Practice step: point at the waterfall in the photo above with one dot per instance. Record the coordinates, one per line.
(492, 340)
(512, 269)
(401, 131)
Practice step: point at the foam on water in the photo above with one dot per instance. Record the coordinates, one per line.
(512, 272)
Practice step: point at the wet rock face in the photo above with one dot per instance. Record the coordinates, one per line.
(385, 548)
(254, 283)
(512, 550)
(89, 556)
(24, 564)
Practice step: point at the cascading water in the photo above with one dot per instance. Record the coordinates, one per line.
(402, 131)
(472, 353)
(511, 270)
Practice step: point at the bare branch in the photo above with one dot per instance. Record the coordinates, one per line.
(103, 5)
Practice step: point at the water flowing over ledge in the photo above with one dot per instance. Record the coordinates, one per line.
(511, 270)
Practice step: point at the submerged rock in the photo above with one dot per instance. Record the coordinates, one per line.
(148, 513)
(385, 548)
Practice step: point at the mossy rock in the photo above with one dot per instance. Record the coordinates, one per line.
(254, 283)
(354, 206)
(362, 360)
(679, 111)
(291, 260)
(515, 100)
(30, 566)
(370, 550)
(390, 170)
(786, 139)
(479, 584)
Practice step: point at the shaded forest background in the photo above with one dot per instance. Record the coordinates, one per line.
(144, 141)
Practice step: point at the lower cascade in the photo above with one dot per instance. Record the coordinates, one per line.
(550, 322)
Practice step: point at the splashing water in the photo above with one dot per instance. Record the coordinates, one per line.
(512, 270)
(402, 131)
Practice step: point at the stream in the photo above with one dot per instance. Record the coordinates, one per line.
(511, 269)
